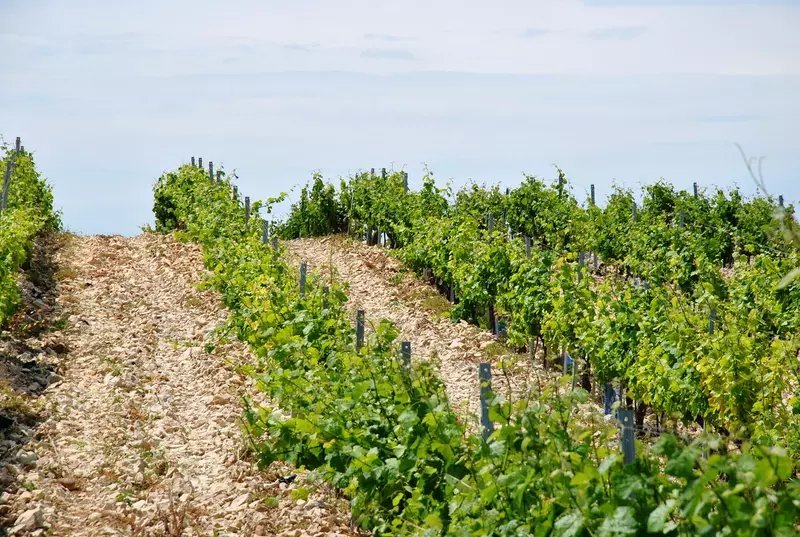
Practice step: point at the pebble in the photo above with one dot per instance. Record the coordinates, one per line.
(221, 399)
(52, 378)
(27, 458)
(239, 501)
(69, 483)
(29, 520)
(314, 504)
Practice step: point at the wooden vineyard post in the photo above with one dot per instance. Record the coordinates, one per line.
(264, 231)
(635, 213)
(350, 213)
(210, 171)
(485, 379)
(193, 163)
(780, 202)
(591, 188)
(370, 231)
(200, 162)
(383, 173)
(527, 247)
(10, 165)
(405, 182)
(696, 195)
(682, 218)
(359, 330)
(505, 214)
(6, 184)
(219, 176)
(274, 247)
(626, 435)
(490, 224)
(235, 193)
(246, 213)
(303, 270)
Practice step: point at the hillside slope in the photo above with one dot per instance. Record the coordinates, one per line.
(384, 290)
(142, 432)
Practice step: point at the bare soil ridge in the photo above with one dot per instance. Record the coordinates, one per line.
(380, 286)
(142, 430)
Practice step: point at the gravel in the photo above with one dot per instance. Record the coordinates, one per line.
(143, 426)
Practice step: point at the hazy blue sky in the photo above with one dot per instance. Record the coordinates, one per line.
(110, 94)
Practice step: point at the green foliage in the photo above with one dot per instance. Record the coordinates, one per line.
(27, 188)
(549, 214)
(30, 211)
(653, 340)
(318, 212)
(383, 432)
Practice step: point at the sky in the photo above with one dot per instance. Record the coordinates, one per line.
(109, 95)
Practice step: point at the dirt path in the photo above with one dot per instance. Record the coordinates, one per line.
(142, 433)
(379, 285)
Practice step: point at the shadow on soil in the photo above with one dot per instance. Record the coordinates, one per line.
(29, 348)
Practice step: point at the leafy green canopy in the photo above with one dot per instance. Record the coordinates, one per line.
(695, 254)
(383, 432)
(29, 212)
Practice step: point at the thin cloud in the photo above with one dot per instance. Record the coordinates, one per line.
(388, 54)
(534, 32)
(728, 119)
(622, 33)
(386, 37)
(661, 3)
(299, 47)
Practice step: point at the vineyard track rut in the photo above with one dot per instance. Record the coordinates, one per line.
(144, 428)
(380, 286)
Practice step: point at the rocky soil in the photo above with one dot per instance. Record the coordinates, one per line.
(119, 422)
